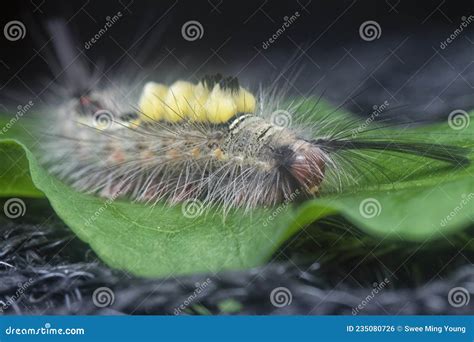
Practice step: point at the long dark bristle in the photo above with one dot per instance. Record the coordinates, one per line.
(447, 153)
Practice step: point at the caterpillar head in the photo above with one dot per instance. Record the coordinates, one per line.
(299, 163)
(278, 154)
(306, 163)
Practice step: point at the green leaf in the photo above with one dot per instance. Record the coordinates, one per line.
(15, 179)
(160, 241)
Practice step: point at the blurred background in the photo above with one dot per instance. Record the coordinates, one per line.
(361, 53)
(417, 56)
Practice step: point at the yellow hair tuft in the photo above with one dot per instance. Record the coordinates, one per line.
(186, 101)
(151, 102)
(198, 102)
(178, 101)
(245, 101)
(220, 106)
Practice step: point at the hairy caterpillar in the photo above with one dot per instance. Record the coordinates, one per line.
(212, 140)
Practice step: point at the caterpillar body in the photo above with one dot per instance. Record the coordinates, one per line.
(238, 158)
(213, 141)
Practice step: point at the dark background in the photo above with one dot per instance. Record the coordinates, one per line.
(405, 67)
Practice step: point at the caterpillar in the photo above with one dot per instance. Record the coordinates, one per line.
(212, 140)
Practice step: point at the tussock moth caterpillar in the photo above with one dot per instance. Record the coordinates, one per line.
(213, 140)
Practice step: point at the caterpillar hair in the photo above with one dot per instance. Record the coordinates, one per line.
(212, 140)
